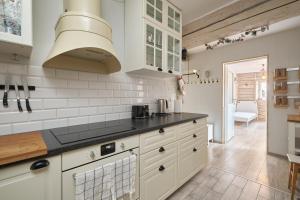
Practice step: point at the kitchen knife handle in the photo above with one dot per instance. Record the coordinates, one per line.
(19, 105)
(28, 105)
(5, 102)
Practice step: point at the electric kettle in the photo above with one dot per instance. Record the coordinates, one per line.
(163, 106)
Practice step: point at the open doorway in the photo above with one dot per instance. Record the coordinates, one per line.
(245, 100)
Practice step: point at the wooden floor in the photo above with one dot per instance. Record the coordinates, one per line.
(240, 169)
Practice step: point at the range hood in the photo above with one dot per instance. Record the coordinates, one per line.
(83, 41)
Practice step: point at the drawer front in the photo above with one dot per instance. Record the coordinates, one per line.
(190, 161)
(149, 161)
(200, 136)
(158, 185)
(189, 128)
(89, 154)
(68, 188)
(155, 139)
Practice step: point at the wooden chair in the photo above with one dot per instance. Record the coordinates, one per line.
(294, 169)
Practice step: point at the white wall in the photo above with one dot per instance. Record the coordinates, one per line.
(282, 49)
(65, 98)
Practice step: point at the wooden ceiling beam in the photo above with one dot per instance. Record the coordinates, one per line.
(269, 12)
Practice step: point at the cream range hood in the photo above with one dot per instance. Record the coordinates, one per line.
(83, 41)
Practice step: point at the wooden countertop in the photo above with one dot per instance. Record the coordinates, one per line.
(21, 146)
(294, 118)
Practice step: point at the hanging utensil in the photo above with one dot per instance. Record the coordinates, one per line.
(6, 90)
(18, 98)
(27, 95)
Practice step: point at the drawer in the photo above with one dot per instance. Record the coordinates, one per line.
(82, 156)
(149, 161)
(188, 128)
(155, 139)
(191, 160)
(159, 184)
(192, 140)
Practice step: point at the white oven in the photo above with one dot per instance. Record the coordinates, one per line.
(90, 158)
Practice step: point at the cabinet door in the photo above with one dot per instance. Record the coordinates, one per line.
(22, 183)
(174, 19)
(173, 54)
(159, 183)
(154, 10)
(154, 46)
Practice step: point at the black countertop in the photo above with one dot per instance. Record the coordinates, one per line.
(64, 139)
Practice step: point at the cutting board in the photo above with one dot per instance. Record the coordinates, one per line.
(21, 146)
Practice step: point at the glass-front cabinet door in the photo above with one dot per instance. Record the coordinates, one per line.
(16, 21)
(174, 19)
(154, 10)
(154, 47)
(173, 54)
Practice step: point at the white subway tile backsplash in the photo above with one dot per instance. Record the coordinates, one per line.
(5, 129)
(55, 103)
(66, 74)
(41, 71)
(88, 76)
(55, 123)
(78, 120)
(96, 118)
(42, 115)
(78, 84)
(88, 111)
(69, 112)
(78, 102)
(27, 126)
(65, 97)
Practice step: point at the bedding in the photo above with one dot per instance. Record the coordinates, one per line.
(246, 111)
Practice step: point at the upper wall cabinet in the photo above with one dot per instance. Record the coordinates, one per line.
(152, 44)
(16, 27)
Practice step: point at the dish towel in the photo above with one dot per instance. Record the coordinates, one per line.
(125, 173)
(95, 184)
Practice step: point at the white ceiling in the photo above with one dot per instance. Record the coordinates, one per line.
(248, 66)
(194, 9)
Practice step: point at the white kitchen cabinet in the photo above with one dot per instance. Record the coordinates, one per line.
(20, 182)
(174, 19)
(146, 39)
(16, 27)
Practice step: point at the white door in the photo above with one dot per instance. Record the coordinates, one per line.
(229, 105)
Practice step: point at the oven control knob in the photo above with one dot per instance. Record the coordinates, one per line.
(122, 146)
(92, 155)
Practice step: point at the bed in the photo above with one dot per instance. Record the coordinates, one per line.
(246, 111)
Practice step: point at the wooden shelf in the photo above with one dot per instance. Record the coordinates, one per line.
(283, 78)
(285, 91)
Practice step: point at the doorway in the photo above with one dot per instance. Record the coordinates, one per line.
(245, 100)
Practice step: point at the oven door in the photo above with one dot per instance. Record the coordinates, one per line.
(68, 188)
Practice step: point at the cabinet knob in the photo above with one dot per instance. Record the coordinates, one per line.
(195, 122)
(161, 168)
(161, 130)
(159, 69)
(39, 164)
(161, 149)
(92, 155)
(170, 71)
(194, 136)
(194, 150)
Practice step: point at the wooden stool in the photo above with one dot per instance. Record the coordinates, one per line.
(294, 169)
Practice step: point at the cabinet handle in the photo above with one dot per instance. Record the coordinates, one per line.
(161, 168)
(194, 150)
(161, 149)
(194, 136)
(159, 69)
(39, 164)
(170, 71)
(161, 130)
(195, 122)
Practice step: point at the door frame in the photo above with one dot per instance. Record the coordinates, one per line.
(224, 64)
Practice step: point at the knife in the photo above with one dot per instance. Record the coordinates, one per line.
(6, 90)
(18, 97)
(27, 95)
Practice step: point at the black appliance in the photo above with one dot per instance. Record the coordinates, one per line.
(140, 111)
